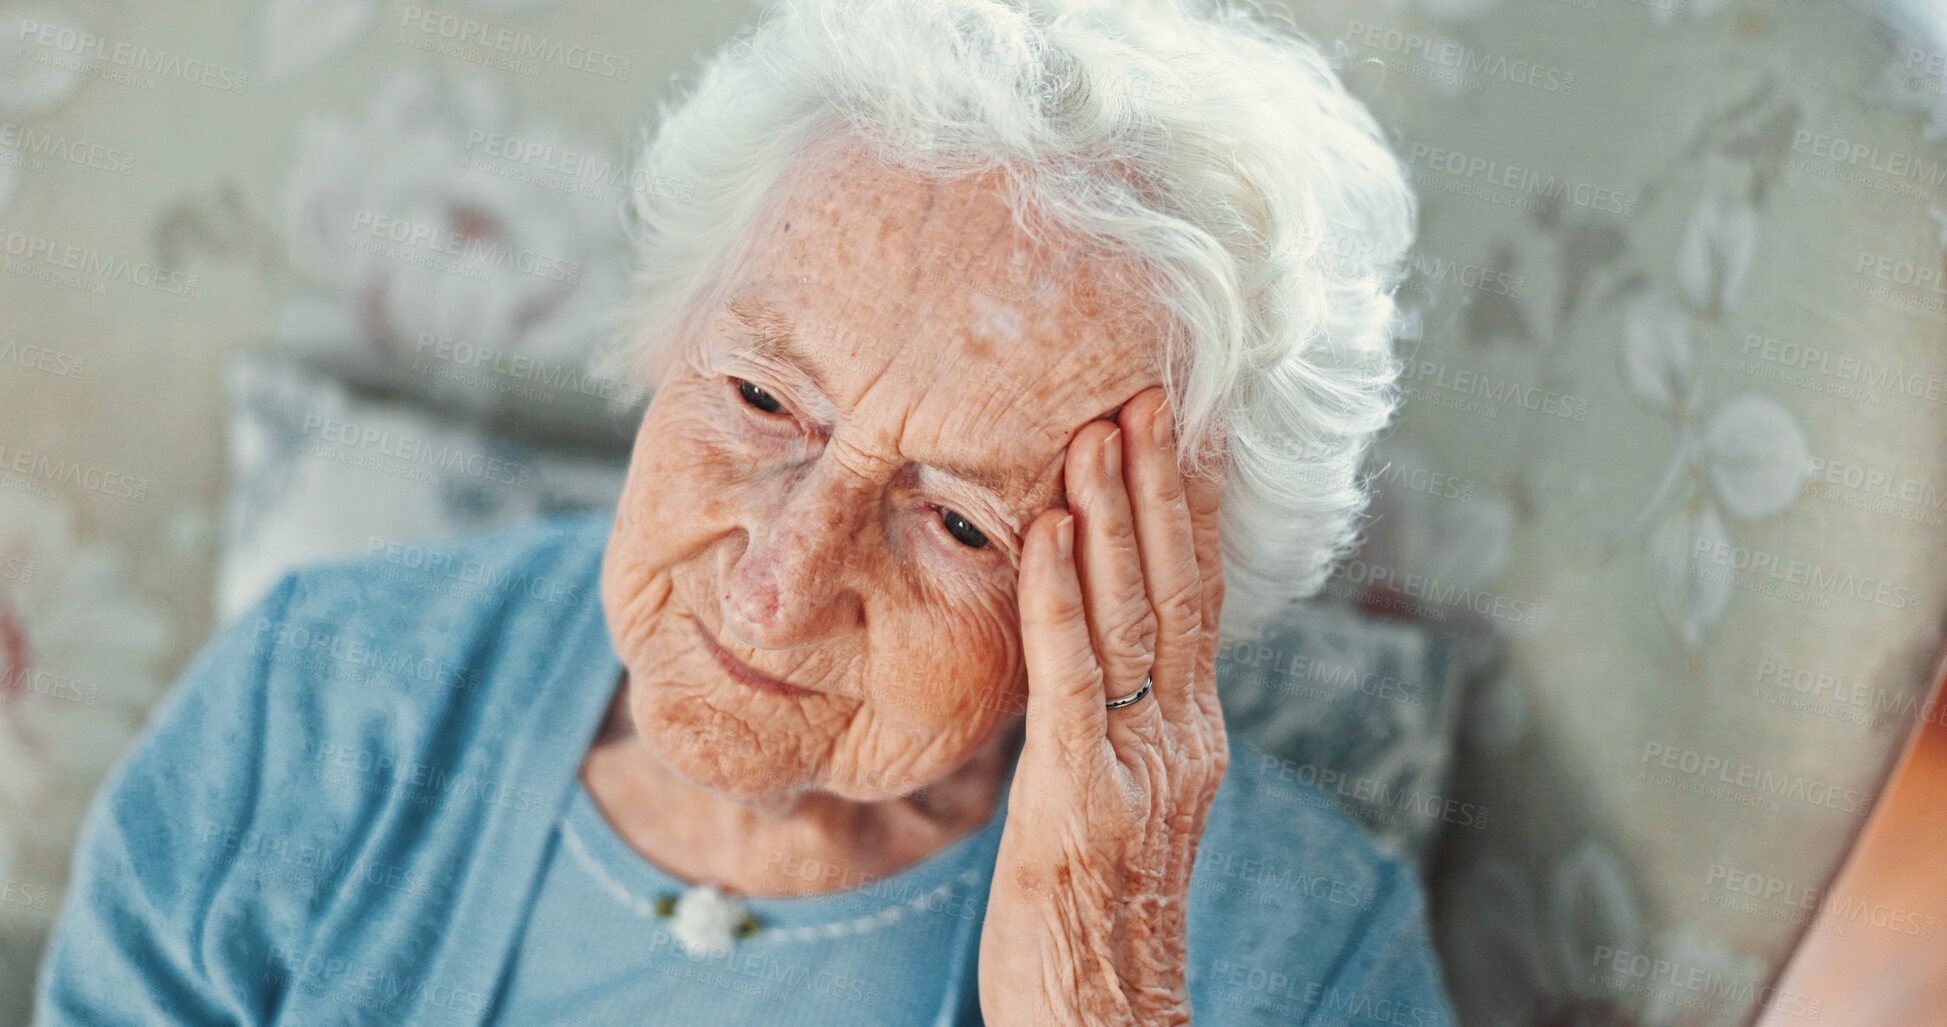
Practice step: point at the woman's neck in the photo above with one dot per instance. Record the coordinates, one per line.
(800, 843)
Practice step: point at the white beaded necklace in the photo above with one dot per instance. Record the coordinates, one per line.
(707, 921)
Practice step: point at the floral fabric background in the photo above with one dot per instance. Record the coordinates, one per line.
(1652, 590)
(1674, 434)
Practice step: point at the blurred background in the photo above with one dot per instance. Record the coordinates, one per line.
(1650, 610)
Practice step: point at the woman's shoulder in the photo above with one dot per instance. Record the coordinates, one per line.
(1295, 909)
(412, 641)
(411, 614)
(553, 561)
(340, 756)
(353, 675)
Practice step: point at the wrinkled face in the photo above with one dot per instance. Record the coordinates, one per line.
(831, 485)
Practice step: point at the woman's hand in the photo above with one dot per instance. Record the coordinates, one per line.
(1087, 913)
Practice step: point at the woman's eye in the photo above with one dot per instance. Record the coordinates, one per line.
(758, 398)
(962, 530)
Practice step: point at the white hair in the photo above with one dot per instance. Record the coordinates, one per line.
(1210, 144)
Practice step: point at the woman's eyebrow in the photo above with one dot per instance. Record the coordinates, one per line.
(776, 336)
(985, 478)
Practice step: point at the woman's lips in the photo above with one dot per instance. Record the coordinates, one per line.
(736, 669)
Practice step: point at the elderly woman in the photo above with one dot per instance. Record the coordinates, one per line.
(990, 364)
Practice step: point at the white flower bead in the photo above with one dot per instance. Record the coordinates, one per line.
(706, 920)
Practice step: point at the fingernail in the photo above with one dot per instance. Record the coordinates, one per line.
(1159, 425)
(1065, 537)
(1112, 455)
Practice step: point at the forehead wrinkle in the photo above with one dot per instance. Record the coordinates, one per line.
(1038, 487)
(916, 217)
(777, 336)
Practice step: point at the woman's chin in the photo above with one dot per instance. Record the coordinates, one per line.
(740, 782)
(713, 750)
(737, 765)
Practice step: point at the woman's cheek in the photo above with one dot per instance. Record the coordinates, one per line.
(968, 668)
(677, 499)
(692, 470)
(969, 594)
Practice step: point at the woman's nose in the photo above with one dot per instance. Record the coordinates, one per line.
(792, 584)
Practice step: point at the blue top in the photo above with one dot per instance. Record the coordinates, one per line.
(362, 804)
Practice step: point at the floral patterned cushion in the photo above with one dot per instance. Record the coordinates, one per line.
(1672, 390)
(320, 470)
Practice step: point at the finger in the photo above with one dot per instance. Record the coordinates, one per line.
(1205, 499)
(1204, 496)
(1122, 625)
(1167, 541)
(1064, 680)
